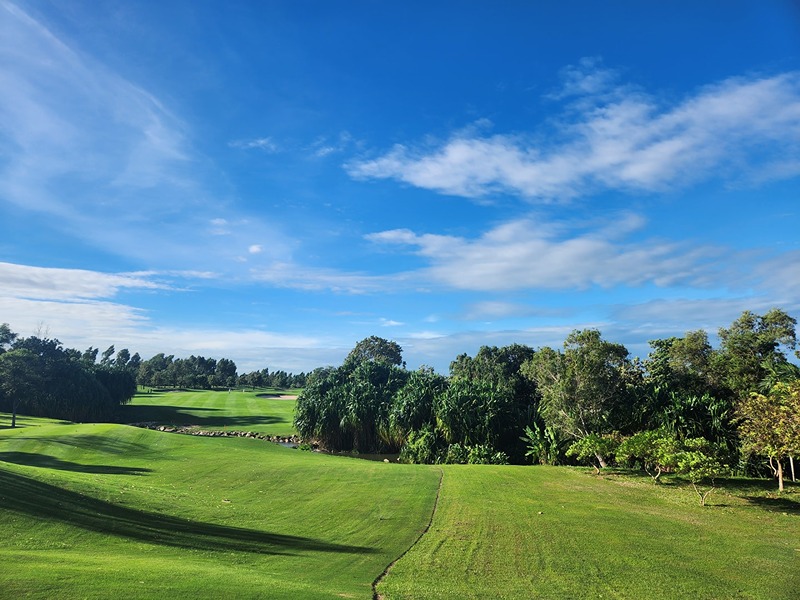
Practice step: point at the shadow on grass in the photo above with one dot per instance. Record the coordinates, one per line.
(44, 501)
(23, 421)
(181, 415)
(51, 462)
(781, 505)
(95, 443)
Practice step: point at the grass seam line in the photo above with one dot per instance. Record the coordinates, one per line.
(379, 578)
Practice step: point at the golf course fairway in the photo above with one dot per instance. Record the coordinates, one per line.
(111, 510)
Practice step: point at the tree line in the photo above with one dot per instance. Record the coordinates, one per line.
(40, 377)
(686, 407)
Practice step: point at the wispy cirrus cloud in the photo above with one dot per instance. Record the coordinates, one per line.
(53, 101)
(615, 137)
(22, 281)
(529, 254)
(315, 279)
(80, 308)
(267, 144)
(501, 309)
(93, 156)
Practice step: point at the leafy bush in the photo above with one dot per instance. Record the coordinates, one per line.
(654, 450)
(477, 454)
(422, 447)
(595, 447)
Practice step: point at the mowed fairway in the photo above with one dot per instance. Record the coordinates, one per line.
(111, 511)
(550, 532)
(262, 411)
(107, 511)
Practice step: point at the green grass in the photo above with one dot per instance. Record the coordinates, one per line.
(547, 532)
(103, 511)
(261, 411)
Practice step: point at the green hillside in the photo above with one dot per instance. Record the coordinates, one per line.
(557, 532)
(102, 511)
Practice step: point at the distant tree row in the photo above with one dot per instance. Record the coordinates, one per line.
(195, 372)
(276, 379)
(39, 377)
(577, 403)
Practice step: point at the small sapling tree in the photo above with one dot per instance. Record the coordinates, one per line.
(655, 450)
(593, 446)
(699, 462)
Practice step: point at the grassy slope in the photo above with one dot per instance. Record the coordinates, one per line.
(101, 511)
(235, 410)
(597, 538)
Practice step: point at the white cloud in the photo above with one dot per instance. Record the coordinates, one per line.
(263, 143)
(76, 306)
(292, 275)
(53, 98)
(255, 249)
(587, 78)
(21, 281)
(390, 323)
(741, 129)
(499, 309)
(526, 254)
(323, 146)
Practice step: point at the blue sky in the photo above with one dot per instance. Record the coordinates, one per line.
(273, 181)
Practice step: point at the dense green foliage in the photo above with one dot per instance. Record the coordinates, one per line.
(370, 404)
(39, 377)
(511, 404)
(198, 372)
(770, 424)
(552, 406)
(195, 372)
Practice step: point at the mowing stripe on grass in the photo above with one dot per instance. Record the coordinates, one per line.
(375, 594)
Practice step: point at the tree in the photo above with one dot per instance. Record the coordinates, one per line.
(123, 357)
(106, 359)
(594, 446)
(89, 356)
(655, 450)
(752, 345)
(42, 378)
(19, 379)
(412, 405)
(225, 373)
(770, 424)
(7, 337)
(509, 401)
(347, 408)
(134, 363)
(376, 349)
(682, 365)
(699, 462)
(582, 388)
